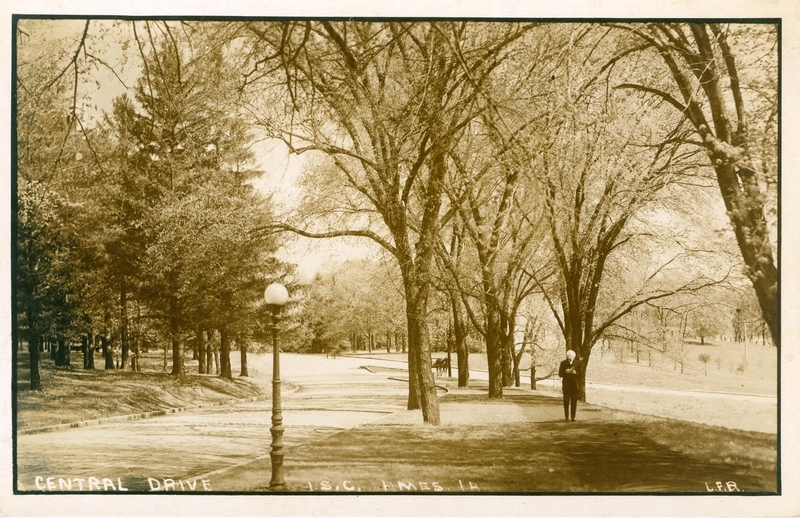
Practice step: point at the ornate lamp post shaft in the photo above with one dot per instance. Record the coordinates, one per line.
(276, 296)
(276, 454)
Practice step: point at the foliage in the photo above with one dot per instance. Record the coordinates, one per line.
(44, 234)
(358, 296)
(721, 79)
(352, 92)
(151, 210)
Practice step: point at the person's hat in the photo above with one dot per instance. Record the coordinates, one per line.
(571, 354)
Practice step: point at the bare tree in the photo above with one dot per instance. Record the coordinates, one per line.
(705, 64)
(604, 176)
(493, 202)
(384, 103)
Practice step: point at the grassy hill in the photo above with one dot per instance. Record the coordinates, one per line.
(726, 370)
(70, 395)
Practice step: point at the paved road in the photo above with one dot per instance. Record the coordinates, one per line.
(331, 395)
(124, 455)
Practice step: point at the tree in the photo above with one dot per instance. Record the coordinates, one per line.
(705, 322)
(354, 94)
(45, 153)
(496, 206)
(39, 276)
(189, 149)
(494, 275)
(746, 317)
(361, 297)
(546, 351)
(724, 82)
(488, 207)
(705, 358)
(607, 179)
(450, 264)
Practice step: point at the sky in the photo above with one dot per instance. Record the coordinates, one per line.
(282, 172)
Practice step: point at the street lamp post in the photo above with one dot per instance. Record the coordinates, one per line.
(276, 296)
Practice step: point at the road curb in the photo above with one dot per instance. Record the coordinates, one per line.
(405, 380)
(144, 415)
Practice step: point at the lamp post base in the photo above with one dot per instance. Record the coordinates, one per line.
(277, 483)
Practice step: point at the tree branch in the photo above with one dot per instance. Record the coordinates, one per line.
(279, 227)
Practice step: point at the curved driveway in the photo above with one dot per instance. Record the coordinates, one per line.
(330, 395)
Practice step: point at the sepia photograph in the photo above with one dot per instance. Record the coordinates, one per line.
(345, 258)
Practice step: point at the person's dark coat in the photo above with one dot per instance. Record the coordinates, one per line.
(569, 377)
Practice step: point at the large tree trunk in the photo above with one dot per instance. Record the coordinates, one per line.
(707, 60)
(62, 356)
(493, 353)
(583, 352)
(123, 330)
(84, 350)
(201, 352)
(422, 386)
(177, 343)
(414, 399)
(746, 212)
(462, 351)
(177, 356)
(87, 348)
(451, 341)
(517, 357)
(243, 356)
(108, 356)
(225, 354)
(507, 364)
(507, 352)
(33, 350)
(506, 349)
(428, 398)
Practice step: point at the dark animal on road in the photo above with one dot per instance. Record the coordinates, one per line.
(441, 365)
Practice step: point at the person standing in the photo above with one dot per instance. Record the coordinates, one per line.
(568, 371)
